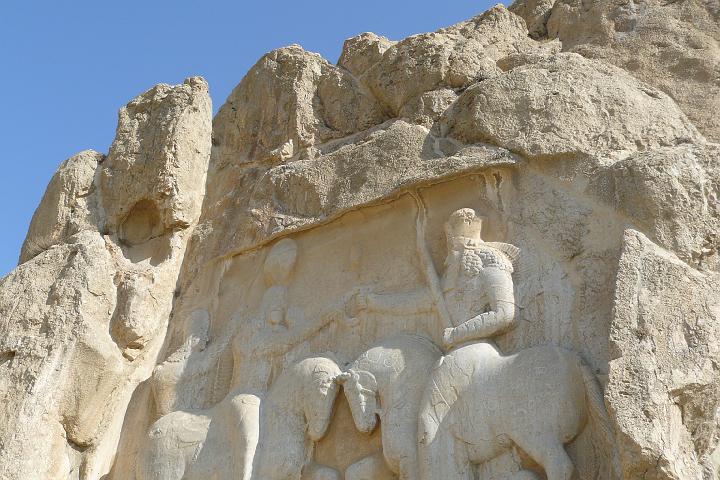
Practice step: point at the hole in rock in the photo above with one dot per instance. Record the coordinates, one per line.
(6, 357)
(142, 234)
(141, 224)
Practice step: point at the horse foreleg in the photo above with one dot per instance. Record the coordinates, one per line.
(444, 458)
(408, 469)
(550, 454)
(525, 475)
(244, 432)
(315, 471)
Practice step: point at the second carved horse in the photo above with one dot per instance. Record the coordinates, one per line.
(387, 381)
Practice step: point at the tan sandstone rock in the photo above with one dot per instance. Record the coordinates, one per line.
(672, 46)
(309, 101)
(84, 316)
(70, 205)
(453, 57)
(465, 254)
(664, 385)
(566, 105)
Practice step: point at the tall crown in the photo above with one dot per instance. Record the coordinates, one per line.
(464, 223)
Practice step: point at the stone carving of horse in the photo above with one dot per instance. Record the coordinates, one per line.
(538, 400)
(387, 381)
(196, 445)
(296, 413)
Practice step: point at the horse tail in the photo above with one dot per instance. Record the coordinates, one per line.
(599, 415)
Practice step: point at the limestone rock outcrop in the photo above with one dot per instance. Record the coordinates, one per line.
(84, 314)
(70, 205)
(672, 46)
(664, 386)
(489, 252)
(566, 105)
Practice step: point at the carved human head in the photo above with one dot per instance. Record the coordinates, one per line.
(463, 225)
(280, 262)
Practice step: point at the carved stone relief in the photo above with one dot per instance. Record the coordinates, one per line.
(442, 258)
(427, 393)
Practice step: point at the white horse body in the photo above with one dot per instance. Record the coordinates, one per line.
(296, 413)
(476, 406)
(221, 442)
(387, 381)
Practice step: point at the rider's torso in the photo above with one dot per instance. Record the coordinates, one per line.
(464, 286)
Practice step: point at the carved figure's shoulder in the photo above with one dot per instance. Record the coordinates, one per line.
(472, 261)
(499, 255)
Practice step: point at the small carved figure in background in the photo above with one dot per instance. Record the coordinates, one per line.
(258, 347)
(178, 381)
(178, 439)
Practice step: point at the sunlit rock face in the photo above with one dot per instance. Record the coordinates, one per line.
(487, 252)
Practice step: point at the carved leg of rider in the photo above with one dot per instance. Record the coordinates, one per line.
(245, 430)
(549, 453)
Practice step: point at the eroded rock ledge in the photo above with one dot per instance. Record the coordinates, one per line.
(205, 278)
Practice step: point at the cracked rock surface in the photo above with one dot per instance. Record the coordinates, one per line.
(583, 133)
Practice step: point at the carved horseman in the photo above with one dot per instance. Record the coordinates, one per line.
(476, 300)
(480, 403)
(477, 285)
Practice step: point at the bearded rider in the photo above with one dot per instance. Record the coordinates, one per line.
(477, 286)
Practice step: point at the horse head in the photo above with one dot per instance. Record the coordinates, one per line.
(361, 393)
(319, 395)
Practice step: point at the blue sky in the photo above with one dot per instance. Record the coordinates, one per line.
(67, 67)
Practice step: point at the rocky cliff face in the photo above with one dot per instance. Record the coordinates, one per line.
(525, 205)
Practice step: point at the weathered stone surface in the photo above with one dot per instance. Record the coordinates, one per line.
(84, 316)
(306, 101)
(362, 52)
(535, 13)
(60, 366)
(566, 105)
(157, 138)
(453, 57)
(673, 195)
(70, 205)
(672, 46)
(665, 343)
(465, 253)
(366, 169)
